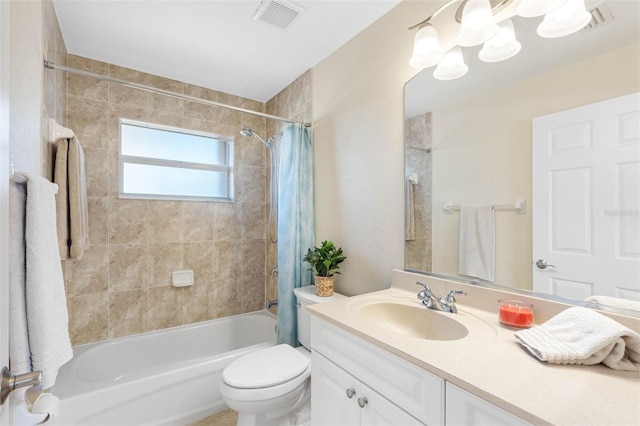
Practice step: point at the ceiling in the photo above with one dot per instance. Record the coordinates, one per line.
(538, 55)
(213, 43)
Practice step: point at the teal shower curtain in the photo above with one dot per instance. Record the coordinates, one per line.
(296, 224)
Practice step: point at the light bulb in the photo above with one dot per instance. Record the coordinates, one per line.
(478, 24)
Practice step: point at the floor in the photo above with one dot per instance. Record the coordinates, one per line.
(223, 418)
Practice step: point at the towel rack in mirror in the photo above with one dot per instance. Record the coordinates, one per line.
(519, 207)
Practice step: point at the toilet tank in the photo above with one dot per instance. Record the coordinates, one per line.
(307, 296)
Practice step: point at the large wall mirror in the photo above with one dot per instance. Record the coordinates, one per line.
(469, 141)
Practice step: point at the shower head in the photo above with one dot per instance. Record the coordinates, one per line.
(246, 131)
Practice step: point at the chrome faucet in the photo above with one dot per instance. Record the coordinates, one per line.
(448, 304)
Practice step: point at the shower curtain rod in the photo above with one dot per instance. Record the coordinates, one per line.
(54, 66)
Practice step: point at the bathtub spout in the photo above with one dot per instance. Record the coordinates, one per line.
(272, 303)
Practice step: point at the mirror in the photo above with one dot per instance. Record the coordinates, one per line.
(470, 140)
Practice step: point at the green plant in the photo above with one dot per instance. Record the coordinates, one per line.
(325, 260)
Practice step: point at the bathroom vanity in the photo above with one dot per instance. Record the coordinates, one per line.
(374, 362)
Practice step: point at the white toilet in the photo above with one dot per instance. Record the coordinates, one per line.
(272, 386)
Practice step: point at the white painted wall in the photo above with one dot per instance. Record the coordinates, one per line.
(358, 138)
(26, 74)
(482, 153)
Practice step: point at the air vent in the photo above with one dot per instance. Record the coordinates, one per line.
(600, 15)
(280, 13)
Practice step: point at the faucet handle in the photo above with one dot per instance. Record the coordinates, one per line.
(424, 293)
(450, 296)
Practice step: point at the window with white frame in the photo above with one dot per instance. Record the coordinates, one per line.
(168, 163)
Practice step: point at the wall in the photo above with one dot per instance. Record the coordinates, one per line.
(358, 138)
(488, 159)
(122, 284)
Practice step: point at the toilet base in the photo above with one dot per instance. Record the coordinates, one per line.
(300, 415)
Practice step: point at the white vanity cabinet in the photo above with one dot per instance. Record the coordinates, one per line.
(385, 389)
(465, 408)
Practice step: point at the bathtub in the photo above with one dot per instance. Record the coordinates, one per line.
(163, 377)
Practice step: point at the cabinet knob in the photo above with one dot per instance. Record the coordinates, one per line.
(350, 393)
(362, 401)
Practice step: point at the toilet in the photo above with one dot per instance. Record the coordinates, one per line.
(272, 386)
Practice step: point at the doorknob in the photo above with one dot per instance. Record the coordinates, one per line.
(362, 402)
(350, 393)
(542, 264)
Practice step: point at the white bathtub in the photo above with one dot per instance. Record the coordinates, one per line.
(163, 377)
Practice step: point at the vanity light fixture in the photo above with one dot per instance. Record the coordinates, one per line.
(489, 22)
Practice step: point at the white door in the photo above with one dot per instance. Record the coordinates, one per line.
(334, 394)
(376, 410)
(586, 200)
(5, 412)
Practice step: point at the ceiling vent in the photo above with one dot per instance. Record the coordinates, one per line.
(600, 15)
(280, 13)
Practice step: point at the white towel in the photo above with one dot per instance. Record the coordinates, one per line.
(614, 302)
(410, 215)
(583, 336)
(476, 249)
(46, 304)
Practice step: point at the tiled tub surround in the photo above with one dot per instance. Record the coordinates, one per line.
(497, 368)
(122, 284)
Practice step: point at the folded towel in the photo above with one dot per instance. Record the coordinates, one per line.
(614, 302)
(46, 304)
(409, 211)
(583, 336)
(476, 247)
(71, 202)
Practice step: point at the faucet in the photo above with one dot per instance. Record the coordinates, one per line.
(448, 304)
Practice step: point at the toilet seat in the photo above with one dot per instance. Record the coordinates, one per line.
(247, 379)
(283, 362)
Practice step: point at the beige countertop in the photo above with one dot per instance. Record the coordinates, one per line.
(490, 363)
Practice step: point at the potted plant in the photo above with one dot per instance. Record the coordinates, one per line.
(325, 262)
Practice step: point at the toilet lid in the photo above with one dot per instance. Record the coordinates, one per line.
(265, 367)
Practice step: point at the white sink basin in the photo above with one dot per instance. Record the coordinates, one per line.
(412, 319)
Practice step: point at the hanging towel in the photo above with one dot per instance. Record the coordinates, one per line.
(583, 336)
(19, 352)
(71, 202)
(409, 210)
(46, 304)
(614, 302)
(476, 249)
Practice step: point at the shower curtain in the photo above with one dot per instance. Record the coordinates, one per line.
(296, 225)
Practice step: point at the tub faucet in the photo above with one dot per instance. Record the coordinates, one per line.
(448, 304)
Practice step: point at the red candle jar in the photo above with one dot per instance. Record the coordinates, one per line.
(516, 314)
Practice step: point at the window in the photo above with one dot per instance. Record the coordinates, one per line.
(167, 163)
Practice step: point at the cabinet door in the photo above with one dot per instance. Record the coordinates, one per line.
(463, 408)
(330, 389)
(379, 411)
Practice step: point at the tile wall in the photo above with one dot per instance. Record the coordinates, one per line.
(418, 160)
(122, 284)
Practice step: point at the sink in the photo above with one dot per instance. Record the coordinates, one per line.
(413, 320)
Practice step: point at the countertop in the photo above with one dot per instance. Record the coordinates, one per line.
(490, 363)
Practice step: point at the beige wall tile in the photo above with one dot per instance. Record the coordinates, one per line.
(88, 318)
(228, 223)
(128, 312)
(165, 221)
(90, 274)
(252, 184)
(227, 259)
(128, 266)
(198, 256)
(165, 307)
(98, 209)
(88, 87)
(198, 221)
(164, 259)
(97, 172)
(253, 293)
(195, 305)
(226, 297)
(253, 257)
(89, 120)
(128, 221)
(254, 221)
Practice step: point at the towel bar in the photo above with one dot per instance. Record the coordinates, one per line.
(519, 207)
